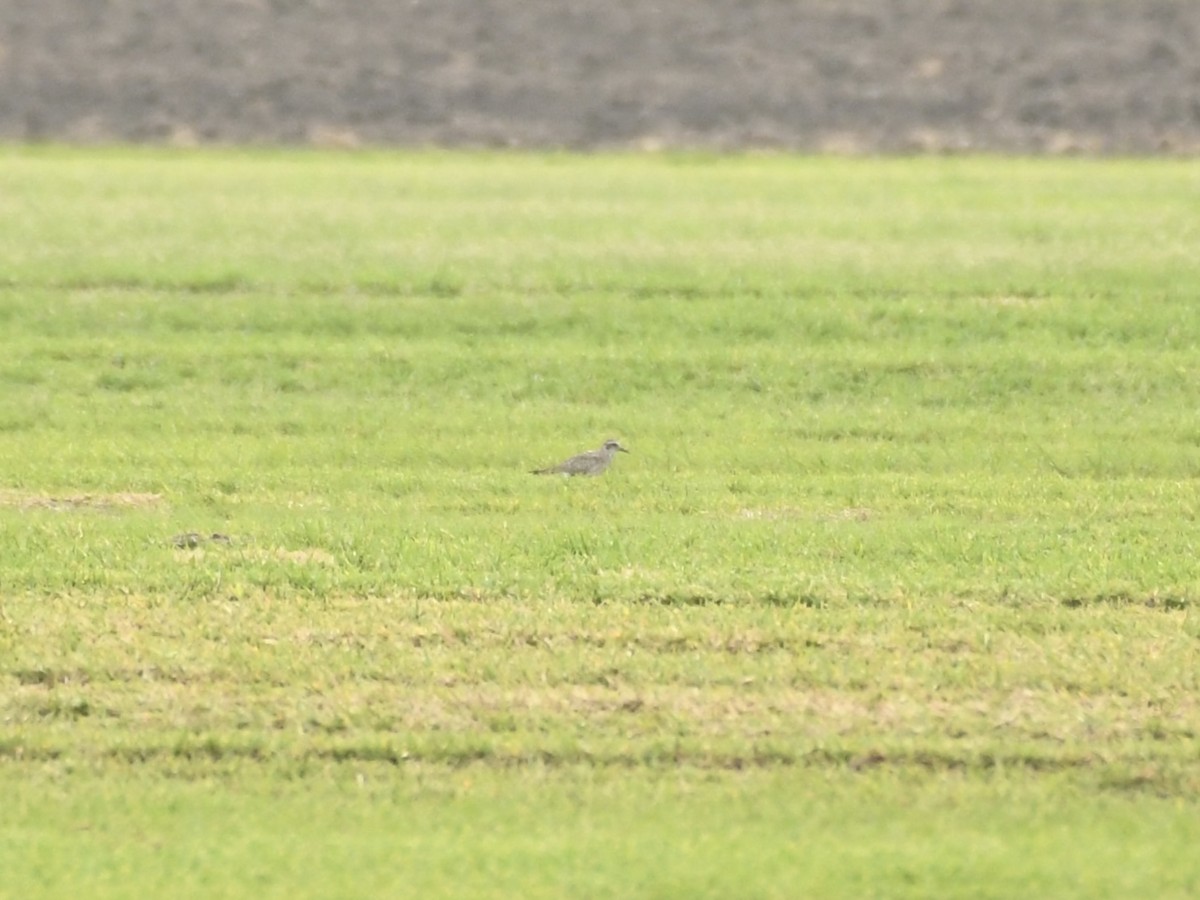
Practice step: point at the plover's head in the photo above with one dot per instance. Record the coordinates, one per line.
(611, 446)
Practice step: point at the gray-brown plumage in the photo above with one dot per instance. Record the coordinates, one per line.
(593, 462)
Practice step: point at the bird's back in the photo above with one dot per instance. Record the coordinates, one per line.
(591, 463)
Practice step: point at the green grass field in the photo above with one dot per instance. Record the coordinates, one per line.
(896, 595)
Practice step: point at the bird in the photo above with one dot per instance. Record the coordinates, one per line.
(593, 462)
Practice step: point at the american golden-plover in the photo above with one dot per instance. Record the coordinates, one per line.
(593, 462)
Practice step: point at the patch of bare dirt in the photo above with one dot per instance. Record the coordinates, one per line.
(305, 556)
(121, 500)
(848, 514)
(193, 545)
(847, 76)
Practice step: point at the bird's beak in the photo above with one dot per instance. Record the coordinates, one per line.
(623, 450)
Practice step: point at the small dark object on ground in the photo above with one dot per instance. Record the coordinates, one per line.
(190, 539)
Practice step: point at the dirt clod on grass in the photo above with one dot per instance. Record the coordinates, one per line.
(191, 539)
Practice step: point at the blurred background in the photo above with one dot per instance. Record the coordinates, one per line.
(852, 76)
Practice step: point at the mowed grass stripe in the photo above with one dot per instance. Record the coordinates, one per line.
(456, 681)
